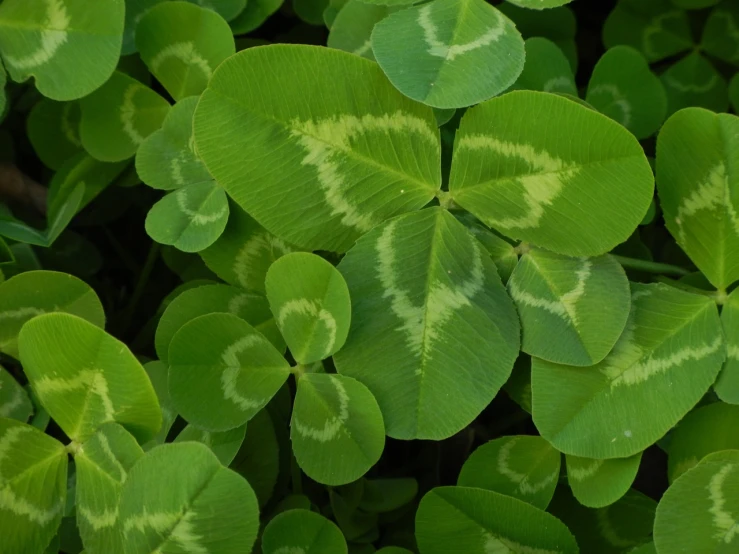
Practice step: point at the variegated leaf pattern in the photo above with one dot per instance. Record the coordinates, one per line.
(600, 483)
(524, 467)
(219, 359)
(304, 532)
(721, 33)
(53, 129)
(225, 444)
(33, 487)
(694, 82)
(666, 359)
(727, 384)
(579, 197)
(572, 310)
(547, 69)
(351, 150)
(14, 401)
(84, 377)
(433, 334)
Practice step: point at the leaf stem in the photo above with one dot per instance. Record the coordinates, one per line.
(651, 267)
(297, 370)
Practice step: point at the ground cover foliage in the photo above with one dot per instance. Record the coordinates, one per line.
(461, 282)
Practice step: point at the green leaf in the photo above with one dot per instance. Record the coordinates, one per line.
(623, 88)
(117, 118)
(224, 444)
(33, 487)
(310, 11)
(85, 377)
(313, 313)
(539, 4)
(501, 251)
(582, 196)
(428, 52)
(351, 150)
(705, 430)
(387, 495)
(694, 81)
(244, 252)
(190, 218)
(158, 373)
(14, 401)
(610, 530)
(179, 498)
(258, 459)
(255, 13)
(102, 464)
(135, 10)
(656, 28)
(208, 299)
(600, 483)
(166, 159)
(53, 129)
(524, 467)
(353, 26)
(727, 385)
(302, 531)
(720, 36)
(572, 310)
(666, 359)
(220, 360)
(694, 4)
(476, 521)
(336, 429)
(32, 293)
(698, 512)
(182, 44)
(433, 334)
(695, 156)
(3, 97)
(71, 47)
(227, 9)
(546, 69)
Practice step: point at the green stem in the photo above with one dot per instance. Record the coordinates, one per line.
(651, 267)
(143, 279)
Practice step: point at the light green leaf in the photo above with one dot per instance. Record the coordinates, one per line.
(623, 88)
(572, 310)
(694, 81)
(352, 28)
(258, 459)
(705, 430)
(244, 252)
(501, 251)
(158, 373)
(85, 377)
(727, 385)
(476, 521)
(135, 10)
(227, 9)
(666, 359)
(720, 36)
(190, 218)
(428, 52)
(182, 44)
(582, 196)
(255, 13)
(600, 483)
(539, 4)
(524, 467)
(53, 129)
(697, 514)
(32, 293)
(610, 530)
(33, 487)
(220, 360)
(656, 28)
(200, 506)
(351, 150)
(252, 308)
(71, 47)
(117, 118)
(336, 428)
(102, 464)
(14, 401)
(433, 334)
(302, 531)
(224, 444)
(546, 69)
(696, 150)
(313, 313)
(166, 159)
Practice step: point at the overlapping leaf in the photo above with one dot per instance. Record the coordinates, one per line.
(14, 401)
(539, 4)
(721, 32)
(727, 385)
(351, 151)
(546, 69)
(53, 129)
(225, 444)
(255, 13)
(258, 459)
(352, 28)
(666, 359)
(433, 334)
(577, 197)
(694, 81)
(85, 377)
(600, 483)
(302, 531)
